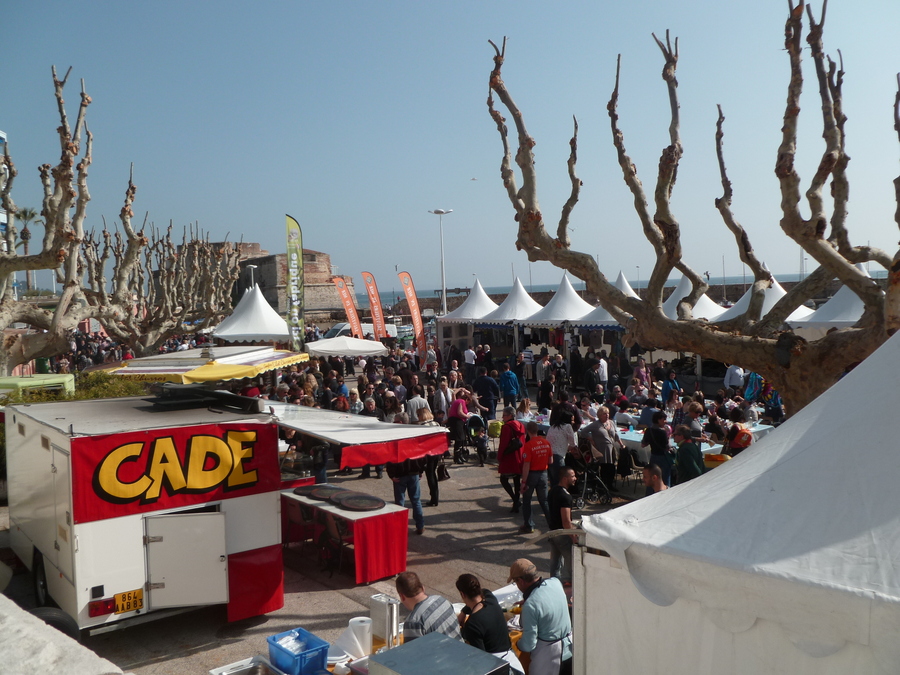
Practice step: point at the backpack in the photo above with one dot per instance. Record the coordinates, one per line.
(742, 439)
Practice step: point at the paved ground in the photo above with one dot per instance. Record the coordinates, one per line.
(471, 531)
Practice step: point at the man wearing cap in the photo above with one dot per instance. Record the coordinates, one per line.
(546, 626)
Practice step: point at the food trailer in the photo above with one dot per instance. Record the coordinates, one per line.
(129, 509)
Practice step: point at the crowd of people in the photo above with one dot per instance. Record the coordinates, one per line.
(543, 448)
(94, 349)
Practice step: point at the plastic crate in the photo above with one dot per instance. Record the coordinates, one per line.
(305, 663)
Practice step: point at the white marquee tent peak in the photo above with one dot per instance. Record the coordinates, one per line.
(473, 308)
(518, 305)
(704, 309)
(565, 305)
(623, 285)
(253, 320)
(772, 295)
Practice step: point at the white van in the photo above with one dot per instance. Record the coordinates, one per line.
(339, 329)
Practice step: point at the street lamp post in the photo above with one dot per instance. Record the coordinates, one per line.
(638, 289)
(251, 268)
(440, 213)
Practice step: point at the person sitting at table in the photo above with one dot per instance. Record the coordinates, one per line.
(588, 411)
(751, 416)
(653, 480)
(688, 459)
(638, 395)
(645, 419)
(618, 399)
(738, 438)
(693, 410)
(715, 426)
(427, 613)
(671, 384)
(523, 410)
(546, 624)
(482, 622)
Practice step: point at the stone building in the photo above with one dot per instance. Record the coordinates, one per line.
(322, 302)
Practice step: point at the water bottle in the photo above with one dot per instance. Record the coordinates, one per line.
(630, 428)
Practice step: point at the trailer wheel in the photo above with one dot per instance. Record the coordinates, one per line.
(39, 577)
(59, 620)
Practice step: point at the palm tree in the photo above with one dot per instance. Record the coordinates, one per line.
(26, 215)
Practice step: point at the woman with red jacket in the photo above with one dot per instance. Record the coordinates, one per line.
(509, 454)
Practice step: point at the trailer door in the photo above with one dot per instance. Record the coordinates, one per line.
(62, 498)
(186, 560)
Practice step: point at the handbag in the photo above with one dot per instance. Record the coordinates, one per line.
(514, 444)
(442, 472)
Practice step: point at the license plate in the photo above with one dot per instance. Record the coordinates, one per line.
(129, 601)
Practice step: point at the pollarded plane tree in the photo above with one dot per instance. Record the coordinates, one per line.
(66, 249)
(164, 289)
(800, 369)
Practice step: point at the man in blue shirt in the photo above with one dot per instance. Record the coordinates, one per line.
(509, 385)
(546, 625)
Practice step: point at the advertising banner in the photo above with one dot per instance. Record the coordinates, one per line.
(375, 305)
(136, 472)
(349, 307)
(295, 283)
(412, 300)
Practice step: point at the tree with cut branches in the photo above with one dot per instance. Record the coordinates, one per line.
(157, 289)
(799, 369)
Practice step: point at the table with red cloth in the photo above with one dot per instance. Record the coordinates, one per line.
(379, 537)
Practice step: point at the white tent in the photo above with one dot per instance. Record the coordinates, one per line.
(565, 305)
(623, 285)
(473, 308)
(598, 318)
(773, 294)
(253, 320)
(843, 310)
(704, 309)
(345, 345)
(518, 305)
(784, 560)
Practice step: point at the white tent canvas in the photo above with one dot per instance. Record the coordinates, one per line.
(344, 345)
(784, 560)
(623, 285)
(473, 308)
(518, 305)
(773, 294)
(704, 309)
(565, 305)
(597, 318)
(843, 310)
(253, 320)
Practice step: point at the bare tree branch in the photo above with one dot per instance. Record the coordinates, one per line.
(562, 231)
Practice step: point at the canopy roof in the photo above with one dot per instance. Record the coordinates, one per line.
(344, 345)
(565, 305)
(623, 285)
(370, 441)
(704, 309)
(598, 318)
(210, 364)
(773, 294)
(517, 306)
(253, 320)
(843, 310)
(473, 308)
(794, 530)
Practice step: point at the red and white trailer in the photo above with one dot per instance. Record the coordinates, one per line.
(125, 511)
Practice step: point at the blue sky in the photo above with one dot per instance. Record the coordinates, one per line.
(358, 117)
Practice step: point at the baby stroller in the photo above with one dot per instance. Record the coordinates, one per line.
(473, 426)
(589, 488)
